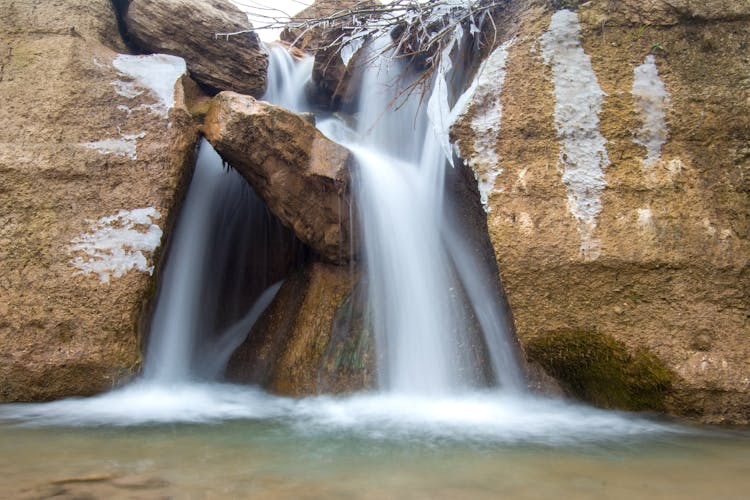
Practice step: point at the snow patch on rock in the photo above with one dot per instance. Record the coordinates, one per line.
(651, 101)
(118, 243)
(125, 146)
(157, 73)
(483, 96)
(578, 102)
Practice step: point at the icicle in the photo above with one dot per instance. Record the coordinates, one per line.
(438, 107)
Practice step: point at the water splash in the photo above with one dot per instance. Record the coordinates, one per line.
(481, 417)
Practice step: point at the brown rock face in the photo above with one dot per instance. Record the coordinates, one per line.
(668, 282)
(669, 12)
(188, 28)
(91, 165)
(313, 338)
(301, 175)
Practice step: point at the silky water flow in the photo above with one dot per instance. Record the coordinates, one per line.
(422, 281)
(451, 416)
(215, 284)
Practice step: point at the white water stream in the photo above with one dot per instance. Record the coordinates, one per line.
(220, 218)
(422, 279)
(213, 245)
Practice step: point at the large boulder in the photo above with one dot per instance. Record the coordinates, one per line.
(301, 175)
(615, 172)
(95, 154)
(190, 28)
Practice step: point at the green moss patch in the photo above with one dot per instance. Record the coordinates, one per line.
(349, 360)
(599, 369)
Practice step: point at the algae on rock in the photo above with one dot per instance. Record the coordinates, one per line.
(599, 369)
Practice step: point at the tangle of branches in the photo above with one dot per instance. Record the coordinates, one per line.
(418, 28)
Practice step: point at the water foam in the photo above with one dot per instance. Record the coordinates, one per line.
(485, 417)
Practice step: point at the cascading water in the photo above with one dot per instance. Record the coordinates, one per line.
(217, 280)
(420, 275)
(287, 79)
(421, 278)
(210, 280)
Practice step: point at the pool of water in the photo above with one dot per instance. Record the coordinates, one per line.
(214, 441)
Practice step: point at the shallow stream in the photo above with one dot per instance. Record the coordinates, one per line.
(220, 441)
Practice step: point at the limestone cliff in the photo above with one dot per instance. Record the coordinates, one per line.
(94, 155)
(613, 160)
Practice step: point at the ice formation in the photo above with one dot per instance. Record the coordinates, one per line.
(157, 73)
(118, 243)
(484, 97)
(125, 146)
(578, 102)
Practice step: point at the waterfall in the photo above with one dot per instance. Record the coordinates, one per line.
(215, 282)
(219, 276)
(437, 320)
(287, 79)
(422, 278)
(441, 326)
(179, 317)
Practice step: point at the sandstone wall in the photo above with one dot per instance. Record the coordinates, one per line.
(92, 161)
(599, 228)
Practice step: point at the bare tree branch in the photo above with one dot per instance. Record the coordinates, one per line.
(419, 28)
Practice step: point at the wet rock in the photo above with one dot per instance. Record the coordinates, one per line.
(669, 275)
(312, 338)
(189, 28)
(92, 478)
(335, 76)
(349, 361)
(139, 482)
(301, 175)
(95, 158)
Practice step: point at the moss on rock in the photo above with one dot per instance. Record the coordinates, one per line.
(599, 369)
(349, 361)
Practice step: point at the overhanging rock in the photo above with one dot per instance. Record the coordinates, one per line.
(301, 175)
